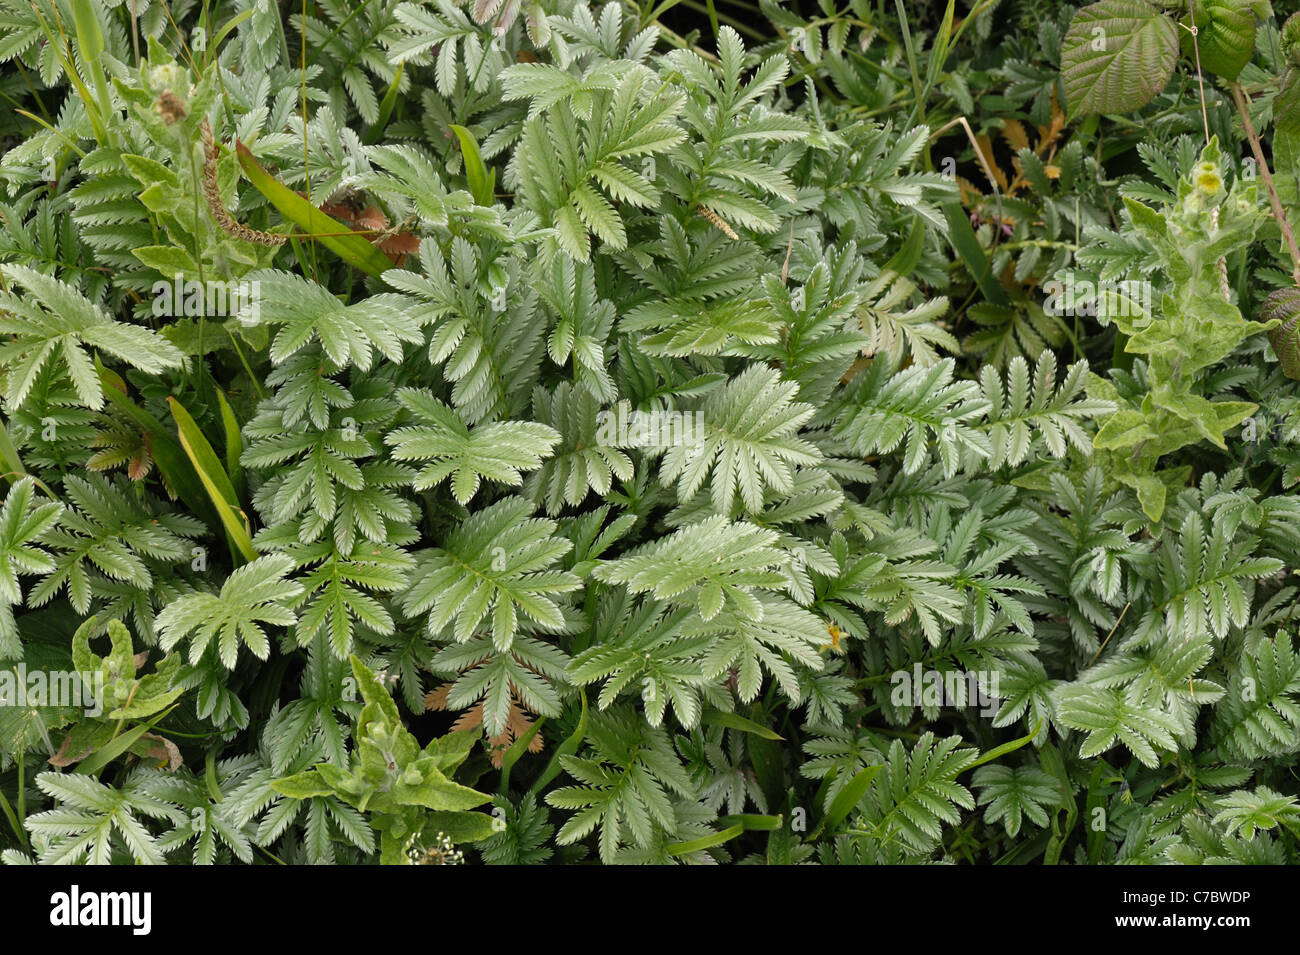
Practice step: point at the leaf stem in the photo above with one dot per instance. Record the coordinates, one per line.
(1279, 213)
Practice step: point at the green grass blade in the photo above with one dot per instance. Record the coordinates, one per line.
(352, 247)
(215, 480)
(847, 798)
(705, 842)
(735, 722)
(481, 184)
(118, 745)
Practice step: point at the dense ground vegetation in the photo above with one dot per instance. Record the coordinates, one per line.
(529, 431)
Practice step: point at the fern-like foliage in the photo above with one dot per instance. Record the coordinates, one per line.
(915, 793)
(577, 142)
(589, 455)
(511, 558)
(711, 565)
(749, 442)
(1260, 715)
(110, 535)
(737, 456)
(93, 818)
(649, 655)
(21, 527)
(498, 451)
(624, 787)
(910, 408)
(305, 313)
(254, 595)
(1010, 794)
(1111, 716)
(54, 322)
(1025, 407)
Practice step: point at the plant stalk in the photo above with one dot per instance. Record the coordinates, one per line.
(1279, 213)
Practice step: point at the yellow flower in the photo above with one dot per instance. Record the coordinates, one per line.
(836, 635)
(1208, 179)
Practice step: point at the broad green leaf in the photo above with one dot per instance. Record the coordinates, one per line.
(1225, 36)
(1283, 307)
(305, 785)
(1117, 55)
(461, 826)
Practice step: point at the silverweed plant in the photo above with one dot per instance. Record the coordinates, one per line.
(614, 434)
